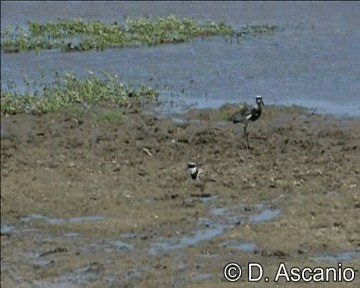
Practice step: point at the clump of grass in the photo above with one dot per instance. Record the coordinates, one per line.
(79, 35)
(67, 90)
(110, 116)
(75, 110)
(272, 111)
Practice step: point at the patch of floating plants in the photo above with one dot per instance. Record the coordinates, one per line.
(68, 90)
(81, 35)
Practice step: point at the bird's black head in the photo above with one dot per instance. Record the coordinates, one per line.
(259, 100)
(192, 170)
(191, 165)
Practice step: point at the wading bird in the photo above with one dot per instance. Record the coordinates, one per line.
(246, 115)
(199, 177)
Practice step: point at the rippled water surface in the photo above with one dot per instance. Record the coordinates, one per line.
(312, 61)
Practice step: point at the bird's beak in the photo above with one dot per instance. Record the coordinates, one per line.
(262, 102)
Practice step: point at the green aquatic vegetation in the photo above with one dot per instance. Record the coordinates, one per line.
(171, 30)
(67, 90)
(81, 35)
(272, 111)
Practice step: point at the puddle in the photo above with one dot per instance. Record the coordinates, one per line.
(201, 277)
(185, 241)
(210, 198)
(128, 235)
(86, 218)
(219, 221)
(72, 235)
(209, 255)
(32, 217)
(241, 246)
(178, 120)
(81, 276)
(105, 246)
(119, 245)
(265, 215)
(8, 229)
(241, 213)
(41, 262)
(133, 273)
(29, 230)
(36, 260)
(338, 257)
(150, 201)
(331, 193)
(8, 269)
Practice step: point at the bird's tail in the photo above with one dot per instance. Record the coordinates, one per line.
(235, 121)
(210, 179)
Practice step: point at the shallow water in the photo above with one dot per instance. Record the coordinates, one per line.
(120, 245)
(81, 276)
(35, 217)
(219, 221)
(34, 259)
(185, 241)
(338, 257)
(8, 229)
(241, 246)
(311, 64)
(216, 222)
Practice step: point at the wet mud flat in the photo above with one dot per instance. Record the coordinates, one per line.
(92, 203)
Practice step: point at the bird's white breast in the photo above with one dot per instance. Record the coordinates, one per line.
(192, 170)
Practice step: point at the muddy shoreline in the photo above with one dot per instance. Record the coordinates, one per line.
(91, 203)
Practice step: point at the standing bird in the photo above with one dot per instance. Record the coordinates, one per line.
(199, 177)
(247, 115)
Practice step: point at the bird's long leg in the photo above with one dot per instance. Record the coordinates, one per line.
(201, 193)
(246, 138)
(247, 141)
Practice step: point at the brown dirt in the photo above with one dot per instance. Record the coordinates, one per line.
(133, 172)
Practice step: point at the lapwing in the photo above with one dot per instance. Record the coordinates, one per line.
(198, 177)
(246, 115)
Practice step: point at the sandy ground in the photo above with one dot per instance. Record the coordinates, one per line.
(90, 203)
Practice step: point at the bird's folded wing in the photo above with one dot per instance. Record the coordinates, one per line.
(206, 177)
(241, 114)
